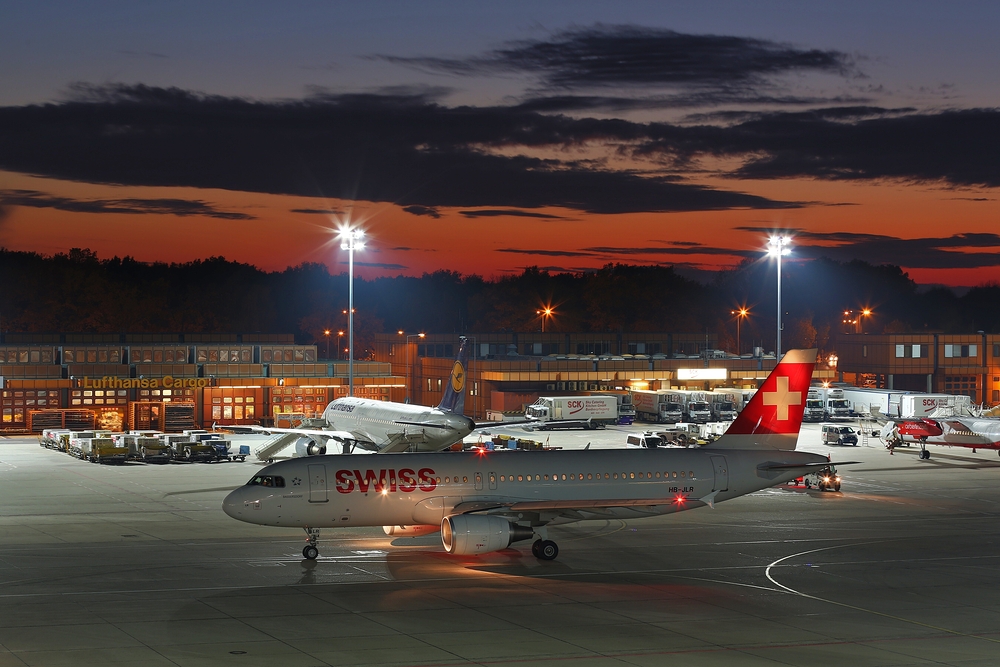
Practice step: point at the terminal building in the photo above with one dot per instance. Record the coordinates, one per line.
(508, 371)
(170, 382)
(963, 364)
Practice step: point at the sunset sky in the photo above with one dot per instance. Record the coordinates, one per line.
(487, 137)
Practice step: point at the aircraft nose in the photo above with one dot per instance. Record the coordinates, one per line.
(233, 504)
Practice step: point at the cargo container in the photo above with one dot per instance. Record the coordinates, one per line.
(52, 438)
(184, 449)
(146, 447)
(103, 449)
(79, 439)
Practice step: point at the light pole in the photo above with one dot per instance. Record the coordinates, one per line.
(740, 314)
(326, 332)
(419, 335)
(351, 240)
(776, 247)
(340, 344)
(543, 314)
(866, 312)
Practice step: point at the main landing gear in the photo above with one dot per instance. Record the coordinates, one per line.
(924, 454)
(544, 549)
(309, 551)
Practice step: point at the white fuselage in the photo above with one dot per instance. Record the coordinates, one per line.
(543, 487)
(383, 423)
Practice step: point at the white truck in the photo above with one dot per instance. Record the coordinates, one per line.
(835, 405)
(551, 412)
(725, 405)
(626, 411)
(928, 405)
(697, 409)
(662, 407)
(815, 410)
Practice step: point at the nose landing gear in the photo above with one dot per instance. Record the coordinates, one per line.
(309, 551)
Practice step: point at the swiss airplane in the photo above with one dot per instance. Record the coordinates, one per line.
(969, 432)
(485, 501)
(384, 426)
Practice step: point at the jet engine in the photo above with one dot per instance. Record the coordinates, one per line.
(309, 447)
(471, 534)
(409, 531)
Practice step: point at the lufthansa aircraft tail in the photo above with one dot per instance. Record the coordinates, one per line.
(454, 394)
(773, 417)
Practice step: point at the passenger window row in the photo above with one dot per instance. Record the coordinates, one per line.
(673, 474)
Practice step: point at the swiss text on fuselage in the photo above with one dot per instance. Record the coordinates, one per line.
(404, 480)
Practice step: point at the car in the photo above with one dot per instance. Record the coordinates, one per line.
(835, 434)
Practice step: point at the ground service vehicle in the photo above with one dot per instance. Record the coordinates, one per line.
(834, 403)
(573, 411)
(643, 440)
(696, 407)
(826, 479)
(834, 434)
(815, 410)
(662, 407)
(626, 411)
(723, 406)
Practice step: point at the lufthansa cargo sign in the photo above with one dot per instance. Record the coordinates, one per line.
(165, 382)
(701, 373)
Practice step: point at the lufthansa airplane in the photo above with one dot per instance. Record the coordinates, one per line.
(384, 426)
(486, 501)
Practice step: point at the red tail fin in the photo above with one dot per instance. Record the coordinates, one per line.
(773, 417)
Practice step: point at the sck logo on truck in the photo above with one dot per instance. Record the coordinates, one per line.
(406, 480)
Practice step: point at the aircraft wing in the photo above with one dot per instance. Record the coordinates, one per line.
(426, 425)
(336, 435)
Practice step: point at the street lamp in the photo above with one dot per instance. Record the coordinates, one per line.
(776, 247)
(740, 315)
(351, 240)
(340, 344)
(419, 335)
(543, 314)
(866, 312)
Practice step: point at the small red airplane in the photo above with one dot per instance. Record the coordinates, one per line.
(970, 432)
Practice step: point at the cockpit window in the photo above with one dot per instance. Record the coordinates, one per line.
(267, 480)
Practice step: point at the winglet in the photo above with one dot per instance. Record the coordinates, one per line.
(454, 394)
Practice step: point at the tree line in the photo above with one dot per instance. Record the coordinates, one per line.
(80, 292)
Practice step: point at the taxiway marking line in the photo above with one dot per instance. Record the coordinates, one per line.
(787, 589)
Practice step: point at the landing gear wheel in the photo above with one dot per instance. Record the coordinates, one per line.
(548, 550)
(926, 455)
(309, 552)
(535, 548)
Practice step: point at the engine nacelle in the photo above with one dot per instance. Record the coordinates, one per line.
(471, 534)
(409, 531)
(309, 447)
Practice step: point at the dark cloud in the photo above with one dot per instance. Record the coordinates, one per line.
(429, 211)
(546, 253)
(493, 213)
(616, 55)
(708, 98)
(317, 211)
(379, 265)
(964, 250)
(675, 250)
(403, 149)
(180, 207)
(956, 147)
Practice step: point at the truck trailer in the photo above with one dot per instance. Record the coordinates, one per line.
(662, 407)
(573, 411)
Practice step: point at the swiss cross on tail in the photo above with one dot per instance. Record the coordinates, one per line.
(777, 406)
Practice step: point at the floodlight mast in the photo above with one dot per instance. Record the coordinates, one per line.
(351, 240)
(776, 247)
